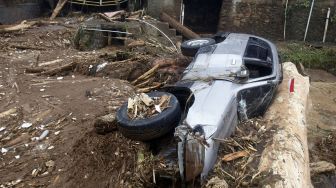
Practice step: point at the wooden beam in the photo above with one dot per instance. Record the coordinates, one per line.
(179, 27)
(58, 9)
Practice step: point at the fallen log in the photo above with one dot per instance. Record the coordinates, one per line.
(58, 8)
(23, 25)
(179, 27)
(67, 67)
(285, 160)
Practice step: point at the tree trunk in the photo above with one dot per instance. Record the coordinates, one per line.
(179, 27)
(285, 160)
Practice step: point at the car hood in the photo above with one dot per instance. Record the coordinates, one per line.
(212, 101)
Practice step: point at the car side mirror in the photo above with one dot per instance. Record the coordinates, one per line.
(243, 74)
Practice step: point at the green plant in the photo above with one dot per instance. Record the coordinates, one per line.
(311, 57)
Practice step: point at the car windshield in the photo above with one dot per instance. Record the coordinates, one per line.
(213, 66)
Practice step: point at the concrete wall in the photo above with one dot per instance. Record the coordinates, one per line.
(172, 7)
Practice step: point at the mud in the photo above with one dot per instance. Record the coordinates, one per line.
(66, 105)
(322, 124)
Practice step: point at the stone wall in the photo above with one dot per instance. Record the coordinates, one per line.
(262, 18)
(266, 18)
(297, 20)
(171, 7)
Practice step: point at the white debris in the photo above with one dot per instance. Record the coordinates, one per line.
(16, 182)
(41, 127)
(35, 172)
(42, 90)
(50, 147)
(4, 150)
(2, 128)
(57, 132)
(157, 108)
(59, 78)
(17, 156)
(43, 135)
(101, 66)
(26, 125)
(146, 99)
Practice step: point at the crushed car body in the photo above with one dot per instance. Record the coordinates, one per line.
(231, 80)
(232, 77)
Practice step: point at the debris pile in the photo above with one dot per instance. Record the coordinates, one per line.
(241, 153)
(143, 106)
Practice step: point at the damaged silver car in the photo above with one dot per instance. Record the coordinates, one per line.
(232, 77)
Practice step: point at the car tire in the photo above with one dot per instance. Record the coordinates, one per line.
(190, 47)
(153, 127)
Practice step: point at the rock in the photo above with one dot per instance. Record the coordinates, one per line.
(215, 182)
(105, 124)
(26, 125)
(321, 166)
(50, 164)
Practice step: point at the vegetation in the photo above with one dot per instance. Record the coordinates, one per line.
(317, 57)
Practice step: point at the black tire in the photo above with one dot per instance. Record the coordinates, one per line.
(189, 49)
(151, 128)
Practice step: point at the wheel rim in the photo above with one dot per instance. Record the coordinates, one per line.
(198, 42)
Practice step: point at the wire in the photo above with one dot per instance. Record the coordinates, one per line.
(156, 29)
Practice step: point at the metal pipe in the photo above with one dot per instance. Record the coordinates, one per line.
(310, 13)
(326, 26)
(285, 24)
(109, 31)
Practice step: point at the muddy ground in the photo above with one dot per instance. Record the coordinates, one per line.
(66, 104)
(321, 118)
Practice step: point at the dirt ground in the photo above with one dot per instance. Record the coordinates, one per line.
(63, 107)
(321, 119)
